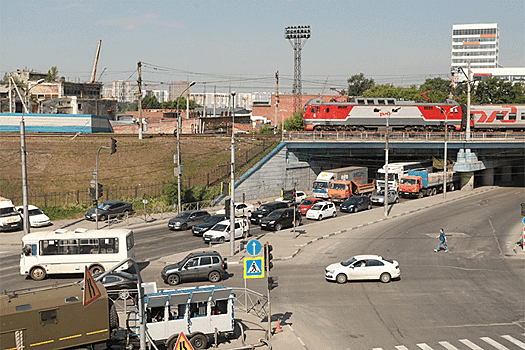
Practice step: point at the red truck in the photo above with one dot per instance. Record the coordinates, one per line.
(340, 190)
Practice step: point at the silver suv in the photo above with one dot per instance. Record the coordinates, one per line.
(196, 266)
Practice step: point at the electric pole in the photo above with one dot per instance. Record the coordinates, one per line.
(232, 183)
(276, 96)
(139, 81)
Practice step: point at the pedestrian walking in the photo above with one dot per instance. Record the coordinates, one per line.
(442, 241)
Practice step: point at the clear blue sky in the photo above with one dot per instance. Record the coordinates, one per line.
(241, 43)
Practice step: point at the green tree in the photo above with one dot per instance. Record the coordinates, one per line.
(150, 102)
(497, 91)
(358, 84)
(438, 89)
(295, 123)
(52, 74)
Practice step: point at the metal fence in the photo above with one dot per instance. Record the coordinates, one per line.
(402, 136)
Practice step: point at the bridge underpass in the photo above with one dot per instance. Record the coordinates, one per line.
(486, 159)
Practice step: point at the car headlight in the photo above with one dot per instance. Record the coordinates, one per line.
(330, 271)
(271, 222)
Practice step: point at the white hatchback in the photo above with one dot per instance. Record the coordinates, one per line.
(363, 267)
(321, 210)
(37, 218)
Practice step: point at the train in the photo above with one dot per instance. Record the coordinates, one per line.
(373, 114)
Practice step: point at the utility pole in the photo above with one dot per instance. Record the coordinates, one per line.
(276, 96)
(468, 103)
(232, 183)
(386, 168)
(139, 81)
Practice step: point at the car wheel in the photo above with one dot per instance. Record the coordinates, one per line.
(214, 277)
(278, 227)
(173, 279)
(126, 213)
(397, 200)
(320, 217)
(184, 227)
(341, 278)
(221, 240)
(334, 214)
(385, 277)
(199, 341)
(297, 223)
(38, 273)
(369, 206)
(102, 218)
(96, 269)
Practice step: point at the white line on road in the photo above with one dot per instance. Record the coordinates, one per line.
(494, 343)
(447, 345)
(424, 346)
(470, 344)
(514, 341)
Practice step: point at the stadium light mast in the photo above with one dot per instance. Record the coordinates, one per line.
(297, 36)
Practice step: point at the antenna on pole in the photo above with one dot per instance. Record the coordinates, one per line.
(297, 36)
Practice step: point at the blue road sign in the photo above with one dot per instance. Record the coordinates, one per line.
(523, 224)
(254, 247)
(254, 267)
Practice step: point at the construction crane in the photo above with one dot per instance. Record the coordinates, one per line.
(94, 74)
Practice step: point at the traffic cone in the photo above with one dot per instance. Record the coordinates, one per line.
(278, 329)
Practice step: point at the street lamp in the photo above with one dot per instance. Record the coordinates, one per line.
(179, 172)
(451, 110)
(467, 131)
(232, 183)
(387, 115)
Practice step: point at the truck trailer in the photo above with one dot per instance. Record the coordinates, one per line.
(420, 183)
(353, 173)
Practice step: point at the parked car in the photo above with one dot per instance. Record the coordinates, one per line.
(240, 210)
(379, 197)
(355, 204)
(363, 267)
(266, 209)
(280, 218)
(37, 218)
(308, 203)
(220, 232)
(299, 197)
(321, 210)
(196, 266)
(110, 209)
(188, 219)
(119, 281)
(199, 229)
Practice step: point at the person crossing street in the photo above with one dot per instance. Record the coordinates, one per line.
(442, 241)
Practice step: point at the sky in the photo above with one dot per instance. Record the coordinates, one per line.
(240, 44)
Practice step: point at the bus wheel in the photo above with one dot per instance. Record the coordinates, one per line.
(96, 269)
(38, 273)
(113, 315)
(199, 341)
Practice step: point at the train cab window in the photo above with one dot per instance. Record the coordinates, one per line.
(380, 102)
(512, 116)
(327, 110)
(370, 102)
(500, 116)
(360, 102)
(313, 109)
(391, 102)
(317, 109)
(522, 115)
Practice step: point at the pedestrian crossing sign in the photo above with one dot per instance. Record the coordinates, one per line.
(254, 267)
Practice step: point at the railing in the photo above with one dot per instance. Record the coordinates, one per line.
(250, 301)
(401, 136)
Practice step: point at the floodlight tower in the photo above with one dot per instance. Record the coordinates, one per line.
(297, 36)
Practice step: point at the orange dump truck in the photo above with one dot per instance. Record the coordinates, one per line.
(340, 190)
(421, 183)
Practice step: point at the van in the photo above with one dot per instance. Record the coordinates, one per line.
(10, 219)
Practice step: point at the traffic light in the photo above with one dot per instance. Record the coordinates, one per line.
(227, 203)
(272, 282)
(95, 203)
(268, 255)
(288, 195)
(522, 209)
(113, 146)
(92, 192)
(100, 192)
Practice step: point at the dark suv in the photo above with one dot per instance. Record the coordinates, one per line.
(265, 210)
(196, 266)
(188, 219)
(280, 218)
(198, 230)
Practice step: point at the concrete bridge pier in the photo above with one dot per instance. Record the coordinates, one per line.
(488, 177)
(468, 163)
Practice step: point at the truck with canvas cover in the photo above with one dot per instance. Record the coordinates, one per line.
(353, 173)
(55, 318)
(420, 183)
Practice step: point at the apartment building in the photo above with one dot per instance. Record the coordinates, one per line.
(477, 43)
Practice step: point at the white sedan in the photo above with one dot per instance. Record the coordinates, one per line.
(321, 210)
(37, 218)
(363, 267)
(241, 209)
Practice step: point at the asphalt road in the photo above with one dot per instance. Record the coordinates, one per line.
(474, 291)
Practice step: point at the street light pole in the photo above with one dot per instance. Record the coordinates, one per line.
(232, 183)
(445, 163)
(179, 172)
(385, 202)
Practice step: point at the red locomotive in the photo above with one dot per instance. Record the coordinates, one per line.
(371, 114)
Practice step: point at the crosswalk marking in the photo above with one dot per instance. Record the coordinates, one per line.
(424, 346)
(470, 344)
(494, 343)
(401, 347)
(514, 341)
(447, 345)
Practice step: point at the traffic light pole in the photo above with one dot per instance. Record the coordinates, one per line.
(113, 149)
(267, 259)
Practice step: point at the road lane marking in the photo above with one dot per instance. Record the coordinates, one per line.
(447, 345)
(424, 346)
(470, 344)
(494, 343)
(514, 341)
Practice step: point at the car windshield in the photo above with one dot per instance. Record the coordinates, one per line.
(317, 206)
(220, 227)
(8, 211)
(104, 206)
(214, 219)
(274, 214)
(35, 212)
(408, 181)
(183, 215)
(380, 194)
(348, 262)
(352, 200)
(264, 208)
(307, 202)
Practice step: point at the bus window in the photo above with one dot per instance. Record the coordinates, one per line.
(49, 247)
(198, 309)
(220, 307)
(130, 242)
(67, 246)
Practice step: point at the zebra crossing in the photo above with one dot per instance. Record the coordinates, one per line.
(504, 342)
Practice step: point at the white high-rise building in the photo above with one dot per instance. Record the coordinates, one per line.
(122, 91)
(477, 43)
